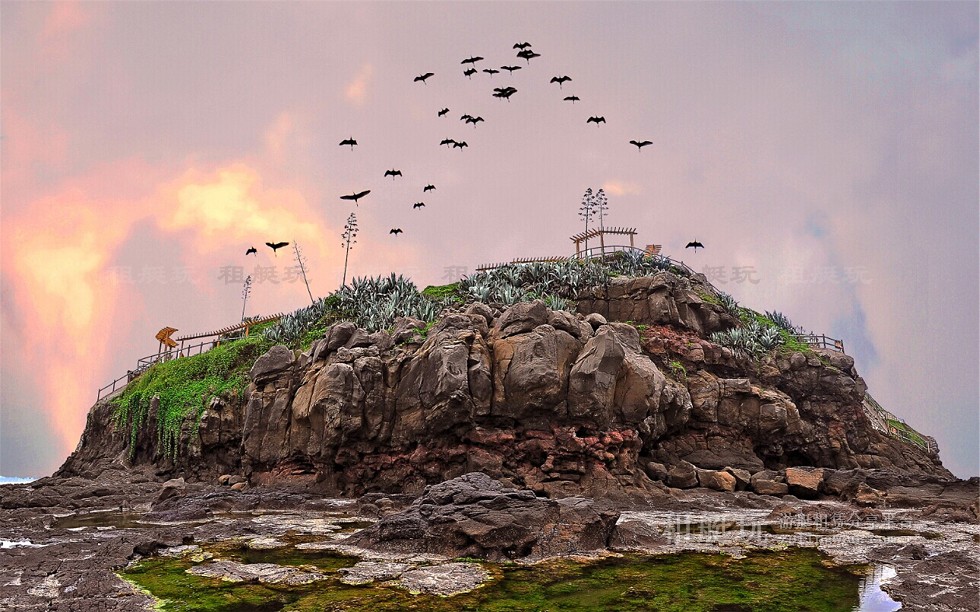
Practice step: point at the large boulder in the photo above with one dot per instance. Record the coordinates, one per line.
(521, 318)
(475, 516)
(613, 382)
(682, 476)
(271, 364)
(770, 487)
(531, 372)
(804, 482)
(719, 481)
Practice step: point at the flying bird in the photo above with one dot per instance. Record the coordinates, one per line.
(418, 205)
(472, 60)
(252, 251)
(528, 55)
(572, 99)
(393, 173)
(596, 120)
(522, 45)
(640, 145)
(355, 196)
(428, 188)
(695, 244)
(465, 117)
(510, 69)
(443, 112)
(447, 141)
(474, 120)
(396, 231)
(469, 72)
(491, 71)
(423, 77)
(460, 144)
(349, 141)
(276, 246)
(561, 80)
(504, 92)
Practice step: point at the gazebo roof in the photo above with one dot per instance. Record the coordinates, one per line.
(592, 233)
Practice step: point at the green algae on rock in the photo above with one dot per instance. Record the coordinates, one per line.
(795, 579)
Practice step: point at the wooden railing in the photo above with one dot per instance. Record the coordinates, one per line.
(519, 260)
(608, 250)
(224, 334)
(143, 363)
(882, 419)
(821, 341)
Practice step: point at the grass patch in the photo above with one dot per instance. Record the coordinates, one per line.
(424, 331)
(748, 316)
(442, 292)
(185, 386)
(913, 434)
(708, 297)
(314, 334)
(792, 344)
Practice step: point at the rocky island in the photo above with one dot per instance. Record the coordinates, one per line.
(583, 430)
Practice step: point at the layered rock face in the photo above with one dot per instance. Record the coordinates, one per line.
(562, 404)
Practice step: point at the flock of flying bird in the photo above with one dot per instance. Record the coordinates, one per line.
(524, 52)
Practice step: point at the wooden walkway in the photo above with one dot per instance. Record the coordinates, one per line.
(225, 334)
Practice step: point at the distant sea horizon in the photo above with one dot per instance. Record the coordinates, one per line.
(16, 479)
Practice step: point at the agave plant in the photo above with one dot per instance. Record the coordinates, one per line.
(769, 338)
(752, 340)
(782, 321)
(729, 304)
(557, 303)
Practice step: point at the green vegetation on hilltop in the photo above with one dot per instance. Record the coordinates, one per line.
(185, 386)
(375, 303)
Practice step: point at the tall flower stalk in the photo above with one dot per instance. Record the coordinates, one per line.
(585, 212)
(301, 264)
(246, 290)
(350, 238)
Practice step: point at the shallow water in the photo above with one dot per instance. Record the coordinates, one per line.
(873, 599)
(20, 543)
(5, 480)
(796, 579)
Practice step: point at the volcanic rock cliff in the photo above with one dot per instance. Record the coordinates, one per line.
(556, 402)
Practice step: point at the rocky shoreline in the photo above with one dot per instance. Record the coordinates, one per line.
(66, 540)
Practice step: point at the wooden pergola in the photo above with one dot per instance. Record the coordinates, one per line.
(601, 233)
(520, 260)
(227, 330)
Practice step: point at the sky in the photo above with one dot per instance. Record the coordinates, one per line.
(826, 154)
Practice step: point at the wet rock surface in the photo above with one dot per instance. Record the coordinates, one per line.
(62, 546)
(265, 573)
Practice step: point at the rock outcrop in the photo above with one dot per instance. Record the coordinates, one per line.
(562, 404)
(475, 516)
